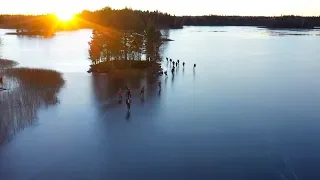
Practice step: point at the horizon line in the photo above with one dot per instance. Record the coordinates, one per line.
(93, 10)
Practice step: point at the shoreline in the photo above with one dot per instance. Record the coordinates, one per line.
(24, 91)
(285, 28)
(30, 34)
(126, 68)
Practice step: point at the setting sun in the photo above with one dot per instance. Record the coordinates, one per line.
(64, 16)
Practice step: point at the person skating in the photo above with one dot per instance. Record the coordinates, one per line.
(173, 68)
(183, 64)
(128, 103)
(119, 94)
(142, 91)
(128, 93)
(1, 82)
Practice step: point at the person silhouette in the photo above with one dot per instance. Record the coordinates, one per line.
(119, 95)
(128, 93)
(142, 91)
(128, 103)
(1, 82)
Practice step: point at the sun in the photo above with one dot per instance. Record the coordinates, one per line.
(64, 16)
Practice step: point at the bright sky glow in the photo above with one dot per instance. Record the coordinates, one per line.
(177, 7)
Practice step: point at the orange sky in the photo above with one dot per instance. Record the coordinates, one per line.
(178, 7)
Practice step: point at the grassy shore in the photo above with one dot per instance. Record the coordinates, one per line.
(27, 91)
(5, 63)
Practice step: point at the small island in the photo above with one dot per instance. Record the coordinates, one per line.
(37, 25)
(31, 33)
(130, 49)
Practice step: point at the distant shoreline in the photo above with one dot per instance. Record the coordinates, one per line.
(107, 17)
(163, 39)
(286, 28)
(30, 34)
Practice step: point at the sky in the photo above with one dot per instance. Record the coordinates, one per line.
(177, 7)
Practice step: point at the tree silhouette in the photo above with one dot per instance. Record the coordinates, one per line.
(129, 19)
(124, 35)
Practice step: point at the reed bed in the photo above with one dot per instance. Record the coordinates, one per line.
(27, 91)
(5, 63)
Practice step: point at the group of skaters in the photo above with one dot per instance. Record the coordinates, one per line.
(176, 64)
(128, 95)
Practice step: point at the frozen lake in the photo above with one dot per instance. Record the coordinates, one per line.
(250, 110)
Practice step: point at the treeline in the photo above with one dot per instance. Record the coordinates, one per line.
(47, 22)
(108, 17)
(105, 17)
(276, 22)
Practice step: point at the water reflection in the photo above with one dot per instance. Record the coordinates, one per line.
(166, 80)
(24, 97)
(177, 69)
(128, 115)
(251, 115)
(142, 99)
(34, 37)
(172, 80)
(105, 90)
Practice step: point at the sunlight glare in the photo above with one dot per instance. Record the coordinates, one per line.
(64, 16)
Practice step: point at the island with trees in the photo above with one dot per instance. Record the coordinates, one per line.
(129, 45)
